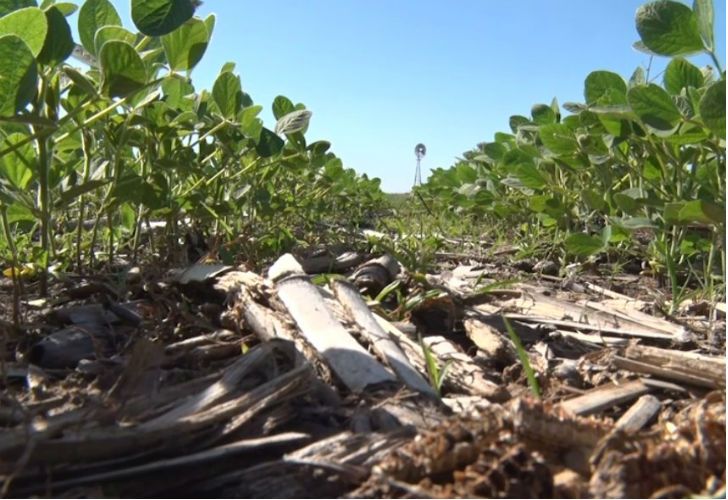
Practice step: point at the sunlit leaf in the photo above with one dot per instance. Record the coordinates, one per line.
(282, 105)
(227, 94)
(704, 14)
(605, 88)
(543, 114)
(66, 8)
(558, 138)
(122, 69)
(185, 46)
(696, 211)
(680, 74)
(107, 33)
(17, 166)
(28, 24)
(583, 245)
(93, 15)
(8, 6)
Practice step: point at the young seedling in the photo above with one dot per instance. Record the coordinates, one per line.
(435, 373)
(523, 356)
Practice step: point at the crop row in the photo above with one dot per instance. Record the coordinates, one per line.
(125, 139)
(636, 163)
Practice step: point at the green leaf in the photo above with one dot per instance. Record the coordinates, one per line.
(93, 15)
(712, 108)
(702, 212)
(81, 81)
(159, 17)
(123, 71)
(654, 106)
(695, 135)
(629, 200)
(107, 33)
(66, 8)
(605, 87)
(543, 114)
(668, 28)
(638, 77)
(28, 24)
(558, 138)
(19, 75)
(68, 196)
(680, 74)
(464, 173)
(134, 189)
(583, 245)
(228, 67)
(703, 10)
(634, 223)
(269, 144)
(517, 121)
(175, 89)
(495, 150)
(671, 212)
(59, 42)
(296, 121)
(555, 109)
(227, 94)
(593, 200)
(529, 175)
(250, 124)
(17, 166)
(319, 148)
(185, 46)
(210, 25)
(19, 212)
(8, 6)
(282, 105)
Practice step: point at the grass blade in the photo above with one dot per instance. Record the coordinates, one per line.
(523, 356)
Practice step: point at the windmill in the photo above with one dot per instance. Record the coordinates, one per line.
(420, 151)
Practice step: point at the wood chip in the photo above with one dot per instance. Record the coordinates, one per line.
(463, 373)
(198, 273)
(604, 397)
(380, 340)
(680, 366)
(489, 340)
(639, 414)
(354, 366)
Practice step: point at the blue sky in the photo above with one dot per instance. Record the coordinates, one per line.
(382, 75)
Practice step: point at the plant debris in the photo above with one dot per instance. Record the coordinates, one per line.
(218, 381)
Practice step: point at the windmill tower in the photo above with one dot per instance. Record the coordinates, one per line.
(420, 151)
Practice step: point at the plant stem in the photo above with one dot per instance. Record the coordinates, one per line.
(716, 62)
(44, 157)
(14, 267)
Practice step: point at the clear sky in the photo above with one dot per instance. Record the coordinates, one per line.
(382, 75)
